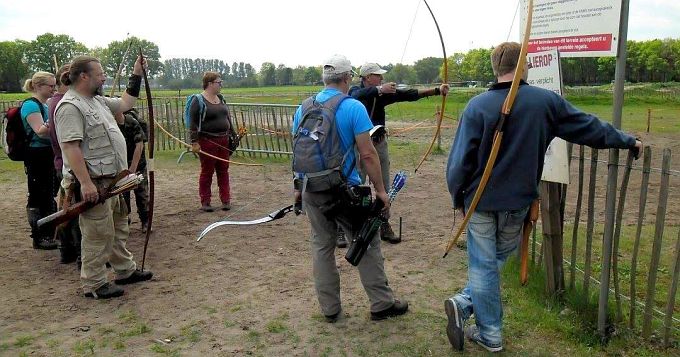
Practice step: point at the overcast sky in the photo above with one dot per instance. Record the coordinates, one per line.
(300, 32)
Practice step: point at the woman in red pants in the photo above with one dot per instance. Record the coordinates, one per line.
(210, 128)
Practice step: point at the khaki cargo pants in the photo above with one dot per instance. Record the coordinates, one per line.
(325, 267)
(105, 232)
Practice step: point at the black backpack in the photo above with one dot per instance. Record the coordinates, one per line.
(16, 141)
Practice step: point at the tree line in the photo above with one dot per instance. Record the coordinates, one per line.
(648, 61)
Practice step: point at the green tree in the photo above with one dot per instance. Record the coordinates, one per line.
(476, 66)
(453, 63)
(267, 76)
(427, 69)
(113, 54)
(299, 75)
(12, 68)
(284, 75)
(312, 75)
(401, 73)
(40, 53)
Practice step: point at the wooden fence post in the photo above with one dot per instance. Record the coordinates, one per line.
(656, 247)
(647, 162)
(552, 236)
(668, 320)
(617, 234)
(577, 217)
(590, 225)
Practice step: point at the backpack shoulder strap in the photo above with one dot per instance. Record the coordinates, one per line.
(334, 102)
(42, 112)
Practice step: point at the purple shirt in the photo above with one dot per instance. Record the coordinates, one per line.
(58, 161)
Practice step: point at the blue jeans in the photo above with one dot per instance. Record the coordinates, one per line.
(491, 237)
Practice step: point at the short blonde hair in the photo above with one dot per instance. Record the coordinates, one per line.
(39, 78)
(504, 58)
(209, 77)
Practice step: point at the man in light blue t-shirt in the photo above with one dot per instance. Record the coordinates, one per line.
(353, 127)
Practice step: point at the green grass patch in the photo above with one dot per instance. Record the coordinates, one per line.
(191, 333)
(85, 347)
(165, 350)
(128, 316)
(23, 341)
(136, 330)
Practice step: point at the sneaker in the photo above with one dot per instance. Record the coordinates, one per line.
(207, 208)
(226, 206)
(136, 277)
(106, 291)
(333, 318)
(45, 244)
(454, 329)
(341, 241)
(386, 233)
(473, 334)
(399, 308)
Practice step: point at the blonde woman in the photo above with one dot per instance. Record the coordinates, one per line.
(38, 164)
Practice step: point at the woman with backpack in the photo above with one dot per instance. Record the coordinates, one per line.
(211, 128)
(38, 163)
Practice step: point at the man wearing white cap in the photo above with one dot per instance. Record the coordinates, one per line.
(375, 96)
(326, 128)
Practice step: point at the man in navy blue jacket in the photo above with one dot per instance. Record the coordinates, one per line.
(495, 228)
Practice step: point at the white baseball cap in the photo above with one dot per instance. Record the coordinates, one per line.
(337, 64)
(371, 68)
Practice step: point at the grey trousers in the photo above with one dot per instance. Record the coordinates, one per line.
(384, 157)
(325, 270)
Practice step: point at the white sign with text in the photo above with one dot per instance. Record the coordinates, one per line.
(577, 28)
(544, 72)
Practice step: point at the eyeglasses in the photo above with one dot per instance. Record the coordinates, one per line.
(218, 82)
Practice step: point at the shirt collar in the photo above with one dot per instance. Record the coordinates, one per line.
(506, 85)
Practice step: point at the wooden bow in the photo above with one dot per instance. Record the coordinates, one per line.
(150, 162)
(498, 135)
(445, 80)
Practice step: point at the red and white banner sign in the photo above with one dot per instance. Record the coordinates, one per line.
(577, 28)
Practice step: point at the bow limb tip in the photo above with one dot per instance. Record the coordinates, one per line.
(445, 254)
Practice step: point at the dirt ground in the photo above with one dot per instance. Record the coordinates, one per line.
(242, 290)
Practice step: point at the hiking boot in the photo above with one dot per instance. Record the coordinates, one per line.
(473, 334)
(207, 208)
(45, 243)
(136, 277)
(386, 233)
(67, 257)
(341, 240)
(399, 308)
(226, 206)
(454, 329)
(106, 291)
(333, 318)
